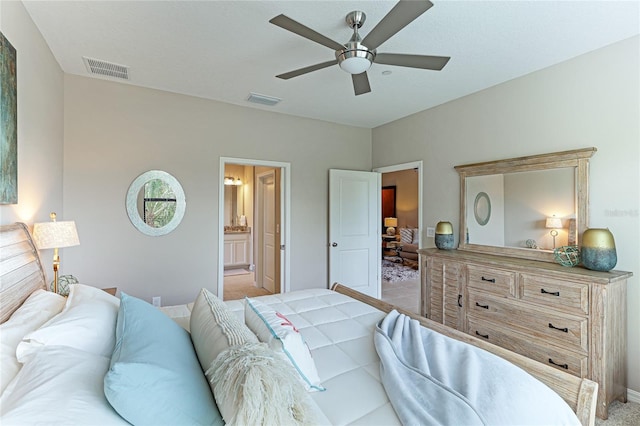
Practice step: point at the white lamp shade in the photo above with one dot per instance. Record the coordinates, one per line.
(48, 235)
(553, 223)
(391, 221)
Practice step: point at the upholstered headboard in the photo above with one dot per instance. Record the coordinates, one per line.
(21, 271)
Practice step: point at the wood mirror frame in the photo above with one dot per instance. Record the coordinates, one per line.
(579, 159)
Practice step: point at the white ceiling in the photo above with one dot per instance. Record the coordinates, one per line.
(223, 50)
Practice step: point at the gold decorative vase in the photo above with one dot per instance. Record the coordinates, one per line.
(598, 250)
(444, 236)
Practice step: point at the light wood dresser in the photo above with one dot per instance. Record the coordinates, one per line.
(571, 318)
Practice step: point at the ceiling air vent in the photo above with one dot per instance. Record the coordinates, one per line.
(263, 99)
(96, 66)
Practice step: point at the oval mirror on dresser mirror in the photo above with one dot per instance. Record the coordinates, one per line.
(155, 203)
(504, 204)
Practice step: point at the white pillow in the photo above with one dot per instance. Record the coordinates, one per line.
(87, 322)
(59, 386)
(282, 336)
(255, 386)
(415, 232)
(406, 235)
(37, 309)
(215, 328)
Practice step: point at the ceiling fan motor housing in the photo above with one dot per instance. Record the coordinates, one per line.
(355, 58)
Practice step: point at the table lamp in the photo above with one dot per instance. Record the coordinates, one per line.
(55, 235)
(553, 223)
(391, 223)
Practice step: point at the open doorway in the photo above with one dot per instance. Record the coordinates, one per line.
(401, 234)
(254, 228)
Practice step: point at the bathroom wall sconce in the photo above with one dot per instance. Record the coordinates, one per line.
(229, 181)
(554, 224)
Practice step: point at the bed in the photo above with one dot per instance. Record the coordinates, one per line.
(126, 369)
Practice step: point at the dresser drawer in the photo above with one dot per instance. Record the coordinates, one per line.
(558, 294)
(571, 362)
(566, 331)
(495, 281)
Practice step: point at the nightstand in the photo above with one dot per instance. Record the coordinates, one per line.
(388, 244)
(111, 290)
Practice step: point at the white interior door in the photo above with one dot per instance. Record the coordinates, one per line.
(266, 204)
(354, 230)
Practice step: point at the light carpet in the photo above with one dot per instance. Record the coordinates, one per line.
(394, 272)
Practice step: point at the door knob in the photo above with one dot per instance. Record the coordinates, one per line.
(334, 244)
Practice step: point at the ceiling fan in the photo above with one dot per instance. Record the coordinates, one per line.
(357, 55)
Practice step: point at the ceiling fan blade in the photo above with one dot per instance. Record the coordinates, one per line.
(310, 68)
(289, 24)
(413, 61)
(360, 83)
(399, 17)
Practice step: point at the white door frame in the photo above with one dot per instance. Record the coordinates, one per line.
(409, 166)
(285, 218)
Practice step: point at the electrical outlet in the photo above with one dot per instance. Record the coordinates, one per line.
(431, 232)
(156, 301)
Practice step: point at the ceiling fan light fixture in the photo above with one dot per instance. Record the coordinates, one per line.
(355, 59)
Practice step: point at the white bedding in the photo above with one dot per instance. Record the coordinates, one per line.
(339, 331)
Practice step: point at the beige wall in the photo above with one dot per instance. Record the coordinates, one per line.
(406, 183)
(592, 100)
(114, 132)
(40, 128)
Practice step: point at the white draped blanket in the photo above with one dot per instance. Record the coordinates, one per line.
(432, 379)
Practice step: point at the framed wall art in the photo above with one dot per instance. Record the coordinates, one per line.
(8, 123)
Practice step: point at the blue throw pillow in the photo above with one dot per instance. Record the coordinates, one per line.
(155, 377)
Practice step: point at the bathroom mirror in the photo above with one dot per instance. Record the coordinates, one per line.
(504, 204)
(155, 203)
(231, 209)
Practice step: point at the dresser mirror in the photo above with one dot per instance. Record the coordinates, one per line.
(155, 203)
(509, 207)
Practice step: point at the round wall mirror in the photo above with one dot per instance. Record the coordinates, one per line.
(155, 203)
(482, 208)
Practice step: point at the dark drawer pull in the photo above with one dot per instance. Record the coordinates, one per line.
(490, 280)
(566, 330)
(552, 293)
(565, 366)
(484, 306)
(459, 300)
(486, 336)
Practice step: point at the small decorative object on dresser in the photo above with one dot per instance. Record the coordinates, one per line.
(444, 236)
(567, 255)
(572, 319)
(598, 250)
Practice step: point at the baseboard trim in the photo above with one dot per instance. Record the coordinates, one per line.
(633, 396)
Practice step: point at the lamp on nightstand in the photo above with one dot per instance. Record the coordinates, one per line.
(391, 223)
(55, 235)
